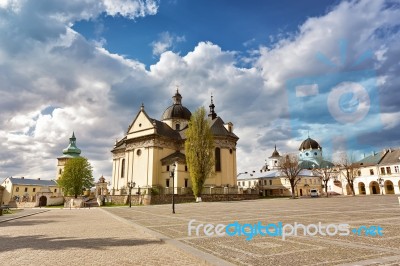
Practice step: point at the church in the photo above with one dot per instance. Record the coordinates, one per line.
(150, 147)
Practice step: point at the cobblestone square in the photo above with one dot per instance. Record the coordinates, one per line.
(151, 235)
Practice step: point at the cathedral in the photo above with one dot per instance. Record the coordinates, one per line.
(150, 147)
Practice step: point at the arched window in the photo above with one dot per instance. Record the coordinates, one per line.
(217, 159)
(123, 168)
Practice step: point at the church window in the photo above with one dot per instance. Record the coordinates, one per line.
(34, 189)
(359, 173)
(186, 182)
(167, 182)
(167, 168)
(55, 190)
(217, 159)
(123, 168)
(60, 171)
(270, 182)
(315, 153)
(140, 125)
(177, 126)
(306, 153)
(17, 189)
(26, 189)
(371, 171)
(186, 168)
(396, 169)
(139, 152)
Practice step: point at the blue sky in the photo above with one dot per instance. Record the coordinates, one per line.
(233, 25)
(86, 66)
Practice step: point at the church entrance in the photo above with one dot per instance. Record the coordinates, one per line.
(42, 201)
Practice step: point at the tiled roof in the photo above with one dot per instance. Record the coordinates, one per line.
(372, 159)
(269, 174)
(35, 182)
(218, 128)
(391, 157)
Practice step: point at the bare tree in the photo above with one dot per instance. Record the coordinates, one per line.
(324, 174)
(348, 169)
(290, 168)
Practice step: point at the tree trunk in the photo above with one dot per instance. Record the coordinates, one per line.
(76, 196)
(293, 194)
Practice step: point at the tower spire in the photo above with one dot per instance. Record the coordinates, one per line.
(212, 113)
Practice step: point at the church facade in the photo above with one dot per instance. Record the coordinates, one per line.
(150, 147)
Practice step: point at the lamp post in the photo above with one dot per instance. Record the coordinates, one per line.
(380, 181)
(172, 174)
(130, 186)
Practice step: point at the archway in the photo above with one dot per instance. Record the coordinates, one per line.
(389, 189)
(374, 188)
(361, 188)
(42, 201)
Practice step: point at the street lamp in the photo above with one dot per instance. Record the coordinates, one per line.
(130, 186)
(380, 181)
(172, 174)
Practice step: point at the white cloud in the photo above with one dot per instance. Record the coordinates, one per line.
(165, 42)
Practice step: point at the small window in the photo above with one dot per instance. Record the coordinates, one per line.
(178, 127)
(396, 169)
(167, 182)
(139, 152)
(315, 153)
(60, 171)
(388, 170)
(17, 189)
(383, 170)
(230, 151)
(307, 153)
(55, 190)
(26, 189)
(186, 182)
(270, 182)
(265, 182)
(186, 168)
(34, 189)
(167, 168)
(123, 168)
(371, 171)
(217, 159)
(359, 173)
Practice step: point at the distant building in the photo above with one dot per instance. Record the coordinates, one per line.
(25, 190)
(144, 155)
(270, 181)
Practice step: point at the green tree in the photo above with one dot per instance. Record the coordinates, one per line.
(76, 176)
(199, 150)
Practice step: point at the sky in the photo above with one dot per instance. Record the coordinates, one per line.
(280, 71)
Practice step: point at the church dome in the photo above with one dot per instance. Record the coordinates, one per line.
(177, 110)
(309, 144)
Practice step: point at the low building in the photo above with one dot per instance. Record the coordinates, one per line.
(25, 190)
(377, 173)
